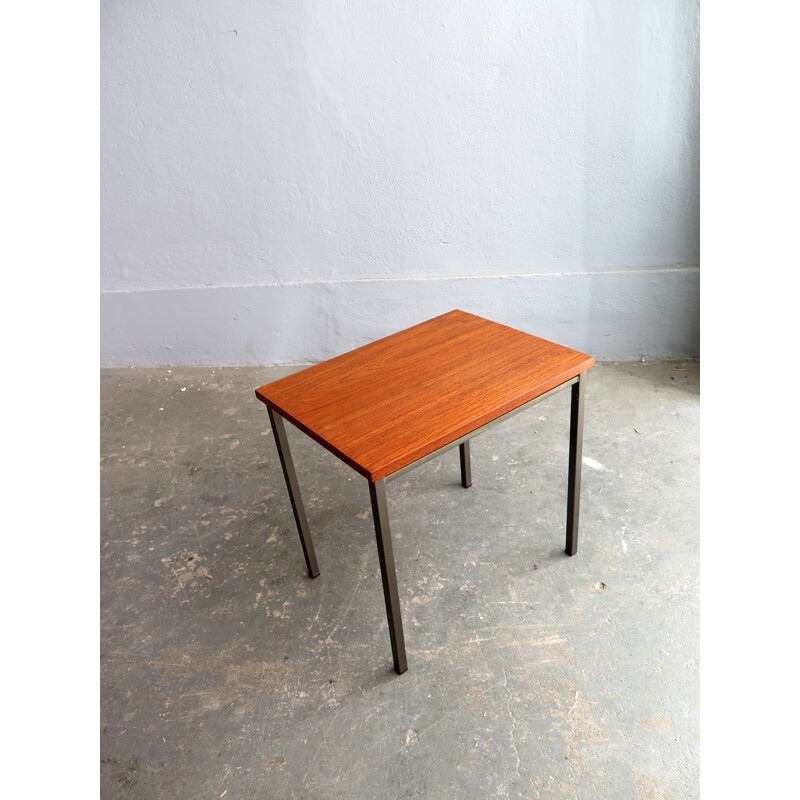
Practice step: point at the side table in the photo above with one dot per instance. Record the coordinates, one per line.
(398, 402)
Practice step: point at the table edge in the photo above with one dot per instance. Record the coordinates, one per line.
(385, 470)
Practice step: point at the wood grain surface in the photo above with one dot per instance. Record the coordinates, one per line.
(382, 406)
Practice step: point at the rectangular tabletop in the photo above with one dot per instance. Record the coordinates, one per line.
(385, 405)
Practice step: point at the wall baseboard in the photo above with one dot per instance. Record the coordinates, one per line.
(625, 314)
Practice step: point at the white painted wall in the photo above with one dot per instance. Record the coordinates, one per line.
(282, 181)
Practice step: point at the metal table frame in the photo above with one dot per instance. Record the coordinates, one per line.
(380, 513)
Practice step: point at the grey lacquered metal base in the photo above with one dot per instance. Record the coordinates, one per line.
(285, 455)
(380, 514)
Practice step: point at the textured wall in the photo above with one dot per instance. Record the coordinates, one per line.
(281, 181)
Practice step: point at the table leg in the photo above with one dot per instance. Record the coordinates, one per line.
(285, 455)
(383, 535)
(575, 456)
(466, 464)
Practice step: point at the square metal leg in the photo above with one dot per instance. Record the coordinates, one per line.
(383, 535)
(466, 464)
(285, 455)
(575, 456)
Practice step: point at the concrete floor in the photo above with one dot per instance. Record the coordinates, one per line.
(227, 671)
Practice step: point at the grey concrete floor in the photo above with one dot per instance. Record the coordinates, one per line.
(225, 670)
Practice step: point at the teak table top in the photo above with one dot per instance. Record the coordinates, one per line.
(386, 404)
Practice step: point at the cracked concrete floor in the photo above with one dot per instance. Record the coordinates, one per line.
(226, 671)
